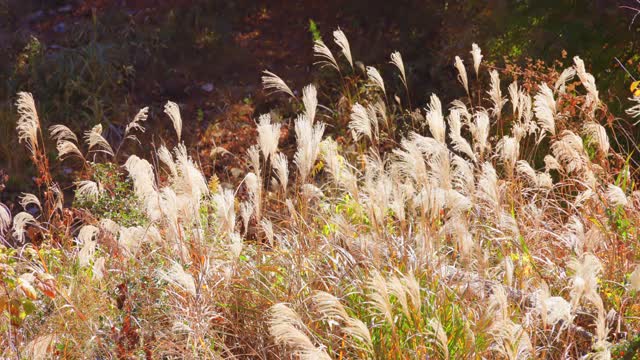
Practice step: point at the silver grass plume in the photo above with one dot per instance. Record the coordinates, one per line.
(376, 79)
(173, 111)
(324, 53)
(435, 119)
(27, 199)
(60, 132)
(268, 136)
(310, 101)
(634, 111)
(495, 94)
(616, 196)
(545, 109)
(480, 132)
(95, 140)
(308, 137)
(66, 149)
(589, 82)
(88, 189)
(476, 53)
(509, 150)
(439, 337)
(164, 155)
(341, 40)
(281, 167)
(462, 73)
(634, 279)
(5, 219)
(176, 276)
(597, 135)
(28, 123)
(275, 84)
(86, 238)
(20, 222)
(566, 76)
(225, 207)
(396, 59)
(459, 143)
(287, 328)
(136, 124)
(360, 123)
(514, 95)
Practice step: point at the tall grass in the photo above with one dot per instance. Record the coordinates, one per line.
(493, 228)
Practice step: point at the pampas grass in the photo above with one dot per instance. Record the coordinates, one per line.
(454, 238)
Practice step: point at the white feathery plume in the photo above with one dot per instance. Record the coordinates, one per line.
(67, 148)
(281, 167)
(435, 119)
(615, 196)
(61, 132)
(557, 309)
(480, 132)
(136, 124)
(360, 123)
(27, 199)
(509, 149)
(459, 143)
(598, 135)
(287, 328)
(588, 81)
(225, 207)
(476, 53)
(20, 221)
(461, 108)
(88, 189)
(98, 269)
(268, 136)
(462, 175)
(569, 151)
(439, 336)
(267, 228)
(462, 73)
(514, 95)
(396, 59)
(341, 39)
(246, 211)
(164, 155)
(379, 296)
(550, 163)
(584, 282)
(376, 79)
(28, 123)
(253, 153)
(141, 172)
(95, 139)
(308, 137)
(634, 111)
(321, 50)
(191, 181)
(566, 76)
(545, 109)
(634, 279)
(86, 237)
(526, 113)
(310, 101)
(173, 111)
(488, 187)
(5, 218)
(495, 94)
(254, 188)
(310, 192)
(273, 82)
(176, 276)
(40, 348)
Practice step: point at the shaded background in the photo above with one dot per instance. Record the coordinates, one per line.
(99, 61)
